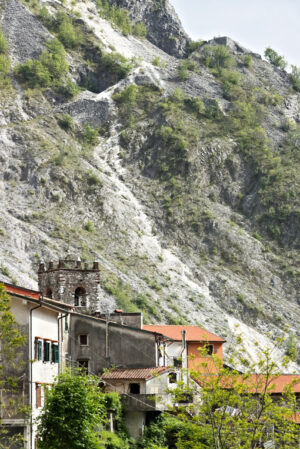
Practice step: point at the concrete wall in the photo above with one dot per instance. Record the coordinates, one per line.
(112, 345)
(135, 422)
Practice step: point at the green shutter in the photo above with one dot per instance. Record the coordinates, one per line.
(55, 353)
(46, 351)
(39, 350)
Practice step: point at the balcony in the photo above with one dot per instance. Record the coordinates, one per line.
(146, 402)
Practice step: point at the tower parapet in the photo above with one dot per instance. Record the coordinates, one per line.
(71, 281)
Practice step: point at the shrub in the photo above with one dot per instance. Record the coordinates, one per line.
(195, 45)
(93, 180)
(3, 44)
(116, 64)
(49, 70)
(139, 29)
(117, 16)
(67, 34)
(69, 88)
(184, 68)
(66, 122)
(274, 58)
(45, 17)
(4, 66)
(197, 105)
(90, 135)
(156, 61)
(295, 78)
(128, 95)
(248, 61)
(89, 226)
(218, 57)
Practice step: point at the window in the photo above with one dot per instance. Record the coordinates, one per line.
(209, 349)
(49, 293)
(134, 388)
(55, 352)
(46, 351)
(80, 297)
(38, 395)
(172, 378)
(83, 340)
(84, 365)
(177, 362)
(38, 349)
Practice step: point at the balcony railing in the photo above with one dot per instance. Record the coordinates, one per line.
(145, 402)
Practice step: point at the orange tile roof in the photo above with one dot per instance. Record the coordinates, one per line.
(193, 333)
(21, 291)
(256, 382)
(132, 374)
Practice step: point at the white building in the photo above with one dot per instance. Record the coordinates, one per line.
(44, 323)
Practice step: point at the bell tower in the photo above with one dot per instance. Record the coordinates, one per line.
(73, 282)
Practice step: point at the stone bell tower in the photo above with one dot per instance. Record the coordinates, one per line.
(73, 282)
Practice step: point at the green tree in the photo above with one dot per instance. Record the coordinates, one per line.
(274, 58)
(73, 415)
(295, 77)
(238, 411)
(11, 365)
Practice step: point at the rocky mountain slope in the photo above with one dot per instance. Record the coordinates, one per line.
(175, 164)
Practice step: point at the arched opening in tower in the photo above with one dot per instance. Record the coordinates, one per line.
(80, 297)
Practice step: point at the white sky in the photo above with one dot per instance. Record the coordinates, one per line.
(255, 24)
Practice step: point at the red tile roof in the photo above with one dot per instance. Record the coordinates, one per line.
(256, 382)
(21, 291)
(193, 333)
(132, 374)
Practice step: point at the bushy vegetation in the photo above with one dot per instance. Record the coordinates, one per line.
(115, 64)
(195, 45)
(4, 62)
(274, 58)
(62, 26)
(218, 57)
(184, 68)
(119, 17)
(49, 71)
(3, 44)
(295, 78)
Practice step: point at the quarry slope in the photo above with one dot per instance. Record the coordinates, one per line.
(176, 225)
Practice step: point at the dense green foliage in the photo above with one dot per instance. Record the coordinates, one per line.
(73, 412)
(49, 70)
(295, 78)
(274, 58)
(4, 62)
(12, 365)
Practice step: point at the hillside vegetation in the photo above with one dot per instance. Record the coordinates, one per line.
(174, 163)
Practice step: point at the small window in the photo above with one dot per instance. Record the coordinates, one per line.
(134, 388)
(209, 349)
(49, 293)
(38, 395)
(172, 378)
(84, 365)
(177, 362)
(83, 340)
(55, 352)
(46, 351)
(38, 349)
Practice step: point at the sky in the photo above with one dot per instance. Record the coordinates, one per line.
(255, 24)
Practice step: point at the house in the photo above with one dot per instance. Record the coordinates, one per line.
(143, 391)
(181, 346)
(41, 320)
